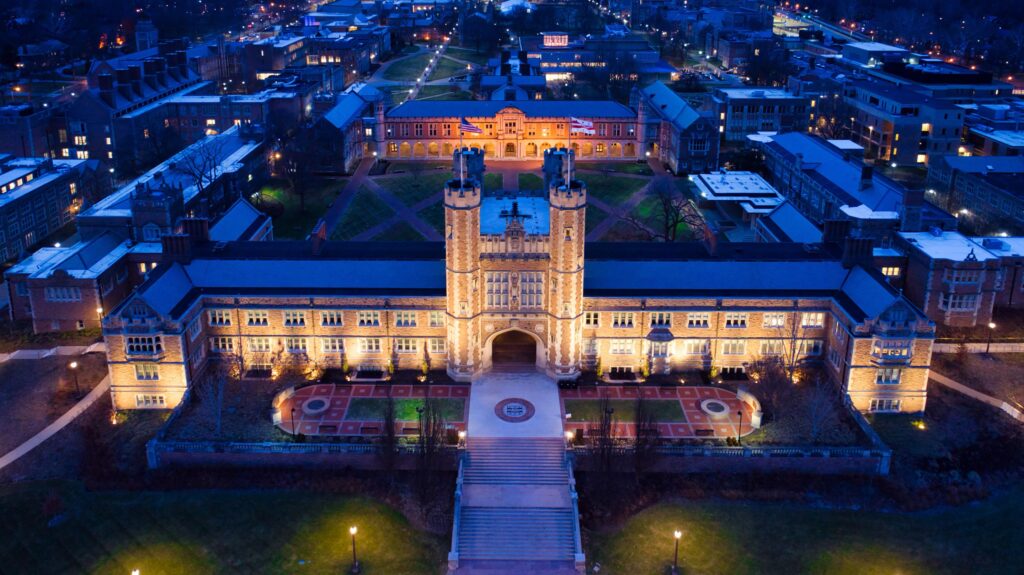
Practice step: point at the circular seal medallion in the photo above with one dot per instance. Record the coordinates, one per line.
(514, 410)
(713, 407)
(315, 405)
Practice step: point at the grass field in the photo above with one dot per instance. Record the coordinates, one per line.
(530, 182)
(612, 189)
(594, 217)
(407, 70)
(442, 93)
(664, 410)
(468, 55)
(401, 232)
(493, 182)
(414, 188)
(372, 409)
(767, 539)
(365, 211)
(399, 94)
(198, 532)
(618, 167)
(433, 215)
(651, 212)
(447, 68)
(295, 224)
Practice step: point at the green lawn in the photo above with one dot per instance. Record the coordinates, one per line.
(618, 167)
(766, 539)
(296, 224)
(493, 182)
(612, 189)
(407, 70)
(531, 182)
(651, 212)
(433, 215)
(909, 435)
(595, 216)
(442, 93)
(365, 211)
(415, 187)
(215, 531)
(399, 94)
(468, 55)
(664, 410)
(402, 232)
(447, 68)
(372, 409)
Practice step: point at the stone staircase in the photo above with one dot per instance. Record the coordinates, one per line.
(515, 509)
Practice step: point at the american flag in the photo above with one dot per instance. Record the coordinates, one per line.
(465, 126)
(578, 125)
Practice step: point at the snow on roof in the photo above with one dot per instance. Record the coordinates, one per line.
(235, 222)
(536, 218)
(794, 225)
(863, 212)
(670, 105)
(947, 245)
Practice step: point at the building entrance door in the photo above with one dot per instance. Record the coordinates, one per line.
(513, 348)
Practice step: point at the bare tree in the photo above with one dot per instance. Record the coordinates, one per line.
(773, 382)
(389, 438)
(819, 409)
(210, 390)
(299, 157)
(674, 217)
(431, 446)
(645, 441)
(200, 163)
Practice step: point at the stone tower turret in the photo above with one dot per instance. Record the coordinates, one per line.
(568, 204)
(462, 267)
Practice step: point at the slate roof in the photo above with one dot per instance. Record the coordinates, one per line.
(532, 109)
(787, 224)
(238, 223)
(670, 106)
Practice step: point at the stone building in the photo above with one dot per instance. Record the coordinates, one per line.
(515, 285)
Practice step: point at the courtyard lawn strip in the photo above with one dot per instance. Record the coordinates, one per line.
(407, 70)
(450, 92)
(767, 539)
(416, 186)
(619, 167)
(468, 55)
(530, 182)
(446, 68)
(365, 211)
(295, 223)
(614, 190)
(222, 531)
(433, 215)
(493, 182)
(664, 410)
(594, 217)
(372, 409)
(400, 232)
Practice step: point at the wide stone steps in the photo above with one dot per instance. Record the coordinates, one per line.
(507, 534)
(520, 461)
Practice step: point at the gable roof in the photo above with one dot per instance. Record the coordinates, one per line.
(532, 109)
(670, 106)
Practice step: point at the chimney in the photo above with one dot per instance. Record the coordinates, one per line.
(161, 71)
(182, 64)
(913, 206)
(176, 248)
(319, 236)
(135, 73)
(106, 82)
(867, 174)
(196, 228)
(124, 79)
(858, 252)
(149, 72)
(835, 231)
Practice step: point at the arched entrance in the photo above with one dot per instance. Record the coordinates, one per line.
(514, 348)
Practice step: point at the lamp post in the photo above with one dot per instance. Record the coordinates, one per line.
(988, 344)
(74, 371)
(293, 421)
(739, 428)
(675, 559)
(355, 560)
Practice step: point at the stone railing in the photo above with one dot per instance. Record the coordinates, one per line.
(211, 452)
(492, 244)
(453, 555)
(577, 541)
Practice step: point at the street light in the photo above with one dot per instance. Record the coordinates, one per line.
(739, 428)
(675, 560)
(355, 561)
(988, 344)
(293, 421)
(74, 370)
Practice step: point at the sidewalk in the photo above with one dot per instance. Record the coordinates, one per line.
(62, 422)
(975, 394)
(64, 350)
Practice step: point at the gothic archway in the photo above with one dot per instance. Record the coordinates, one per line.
(514, 348)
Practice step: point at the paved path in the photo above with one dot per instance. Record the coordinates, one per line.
(64, 350)
(615, 213)
(62, 422)
(536, 388)
(975, 394)
(333, 214)
(403, 213)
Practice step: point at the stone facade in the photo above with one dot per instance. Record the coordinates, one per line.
(526, 281)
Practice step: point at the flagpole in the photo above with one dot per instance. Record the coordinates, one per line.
(568, 156)
(462, 159)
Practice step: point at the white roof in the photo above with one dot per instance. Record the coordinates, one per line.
(947, 245)
(535, 207)
(875, 47)
(863, 212)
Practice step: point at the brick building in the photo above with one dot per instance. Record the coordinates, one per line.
(515, 284)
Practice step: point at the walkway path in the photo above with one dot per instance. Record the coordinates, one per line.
(64, 350)
(516, 508)
(334, 213)
(975, 394)
(403, 213)
(62, 422)
(615, 213)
